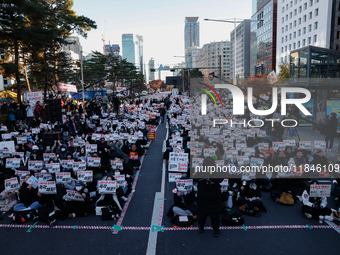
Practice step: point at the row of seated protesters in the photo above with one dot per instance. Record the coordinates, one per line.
(58, 206)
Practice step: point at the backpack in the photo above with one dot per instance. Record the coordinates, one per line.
(232, 219)
(286, 199)
(179, 222)
(24, 216)
(110, 212)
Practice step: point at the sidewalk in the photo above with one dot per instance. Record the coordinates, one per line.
(308, 134)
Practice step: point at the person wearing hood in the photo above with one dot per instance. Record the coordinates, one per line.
(36, 154)
(62, 152)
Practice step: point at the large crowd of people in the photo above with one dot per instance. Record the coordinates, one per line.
(91, 166)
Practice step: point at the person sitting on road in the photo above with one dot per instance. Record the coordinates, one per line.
(316, 207)
(134, 156)
(28, 197)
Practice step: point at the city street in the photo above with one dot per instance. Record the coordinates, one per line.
(291, 232)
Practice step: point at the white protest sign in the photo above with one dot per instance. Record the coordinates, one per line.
(178, 167)
(120, 180)
(197, 162)
(242, 160)
(7, 136)
(173, 177)
(107, 187)
(43, 176)
(53, 167)
(79, 166)
(79, 142)
(184, 185)
(264, 146)
(91, 148)
(232, 153)
(73, 195)
(85, 176)
(35, 131)
(48, 156)
(12, 184)
(178, 157)
(305, 145)
(20, 154)
(320, 145)
(117, 164)
(93, 162)
(35, 165)
(33, 181)
(34, 97)
(224, 185)
(9, 145)
(249, 152)
(47, 188)
(291, 142)
(279, 146)
(67, 163)
(21, 174)
(13, 162)
(319, 190)
(256, 162)
(240, 146)
(63, 177)
(209, 152)
(21, 139)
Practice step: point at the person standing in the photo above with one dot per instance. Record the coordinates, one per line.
(209, 200)
(29, 114)
(332, 127)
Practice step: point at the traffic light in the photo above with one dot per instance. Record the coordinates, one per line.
(173, 70)
(152, 70)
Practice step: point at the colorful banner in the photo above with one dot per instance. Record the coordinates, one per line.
(67, 87)
(333, 106)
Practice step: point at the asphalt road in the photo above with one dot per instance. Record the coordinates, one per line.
(139, 213)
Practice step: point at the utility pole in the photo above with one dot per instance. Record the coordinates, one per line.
(82, 77)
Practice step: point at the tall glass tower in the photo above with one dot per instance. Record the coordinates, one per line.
(257, 5)
(191, 36)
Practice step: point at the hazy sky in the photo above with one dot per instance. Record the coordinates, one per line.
(161, 23)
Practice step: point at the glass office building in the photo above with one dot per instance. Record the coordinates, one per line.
(314, 62)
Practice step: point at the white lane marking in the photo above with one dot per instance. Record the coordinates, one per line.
(152, 241)
(332, 224)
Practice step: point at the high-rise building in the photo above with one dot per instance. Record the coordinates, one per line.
(263, 39)
(191, 53)
(191, 36)
(242, 42)
(133, 49)
(209, 56)
(151, 66)
(73, 44)
(257, 5)
(140, 55)
(114, 49)
(335, 34)
(303, 23)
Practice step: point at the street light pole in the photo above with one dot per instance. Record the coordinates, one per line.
(234, 21)
(82, 77)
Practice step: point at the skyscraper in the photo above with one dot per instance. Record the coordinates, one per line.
(257, 5)
(242, 45)
(263, 39)
(151, 66)
(114, 49)
(191, 36)
(133, 49)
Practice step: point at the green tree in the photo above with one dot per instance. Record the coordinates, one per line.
(284, 70)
